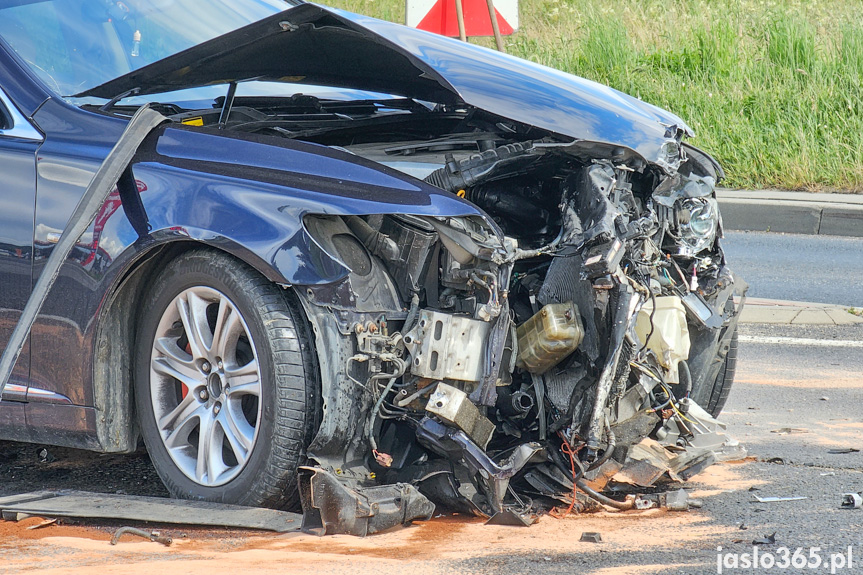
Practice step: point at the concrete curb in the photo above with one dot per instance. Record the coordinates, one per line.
(759, 310)
(792, 212)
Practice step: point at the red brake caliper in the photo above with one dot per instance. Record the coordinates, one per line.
(185, 390)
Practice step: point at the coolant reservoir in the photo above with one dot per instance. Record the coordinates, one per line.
(548, 337)
(670, 339)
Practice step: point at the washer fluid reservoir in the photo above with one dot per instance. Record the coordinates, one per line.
(548, 337)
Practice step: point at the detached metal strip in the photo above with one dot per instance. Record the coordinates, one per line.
(104, 180)
(85, 505)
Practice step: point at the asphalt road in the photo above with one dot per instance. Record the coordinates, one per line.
(823, 269)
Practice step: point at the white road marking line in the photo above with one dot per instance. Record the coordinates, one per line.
(799, 341)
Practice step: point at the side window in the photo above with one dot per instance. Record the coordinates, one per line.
(13, 124)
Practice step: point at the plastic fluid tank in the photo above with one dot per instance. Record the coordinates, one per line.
(548, 337)
(670, 339)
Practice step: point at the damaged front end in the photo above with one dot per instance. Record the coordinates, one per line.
(565, 348)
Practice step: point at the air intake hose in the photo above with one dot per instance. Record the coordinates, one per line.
(458, 175)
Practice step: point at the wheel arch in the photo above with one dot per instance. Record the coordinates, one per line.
(113, 371)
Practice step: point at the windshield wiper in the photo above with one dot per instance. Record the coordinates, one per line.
(113, 101)
(227, 105)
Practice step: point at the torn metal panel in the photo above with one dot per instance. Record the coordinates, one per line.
(777, 499)
(495, 476)
(598, 478)
(151, 509)
(645, 463)
(447, 346)
(513, 516)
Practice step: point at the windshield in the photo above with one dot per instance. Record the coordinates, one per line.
(74, 45)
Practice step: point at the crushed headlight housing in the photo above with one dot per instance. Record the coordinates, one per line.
(697, 223)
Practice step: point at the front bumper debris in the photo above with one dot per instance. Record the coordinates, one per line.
(330, 507)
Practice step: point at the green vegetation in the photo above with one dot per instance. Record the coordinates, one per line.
(772, 88)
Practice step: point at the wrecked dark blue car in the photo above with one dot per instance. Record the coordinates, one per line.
(359, 267)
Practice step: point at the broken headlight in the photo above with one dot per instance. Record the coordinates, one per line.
(697, 223)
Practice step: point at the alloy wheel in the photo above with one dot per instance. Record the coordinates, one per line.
(205, 386)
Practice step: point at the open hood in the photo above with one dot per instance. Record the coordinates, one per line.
(310, 44)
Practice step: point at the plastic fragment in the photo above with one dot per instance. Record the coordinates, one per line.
(789, 430)
(677, 500)
(44, 523)
(766, 540)
(151, 535)
(778, 499)
(851, 501)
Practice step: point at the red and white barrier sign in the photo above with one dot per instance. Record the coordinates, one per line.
(439, 16)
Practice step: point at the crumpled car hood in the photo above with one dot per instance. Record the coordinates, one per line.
(314, 45)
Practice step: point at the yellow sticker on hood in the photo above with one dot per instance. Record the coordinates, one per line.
(198, 121)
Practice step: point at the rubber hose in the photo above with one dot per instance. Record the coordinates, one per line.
(685, 374)
(622, 505)
(606, 455)
(413, 314)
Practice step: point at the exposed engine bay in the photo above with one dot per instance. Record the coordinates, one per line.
(568, 351)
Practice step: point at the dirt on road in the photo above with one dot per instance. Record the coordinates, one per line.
(436, 546)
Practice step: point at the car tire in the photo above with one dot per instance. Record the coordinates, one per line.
(226, 383)
(713, 398)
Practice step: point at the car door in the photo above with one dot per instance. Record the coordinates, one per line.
(19, 142)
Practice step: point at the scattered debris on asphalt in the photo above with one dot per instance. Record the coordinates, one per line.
(777, 499)
(789, 430)
(151, 535)
(673, 501)
(766, 540)
(851, 501)
(677, 500)
(843, 450)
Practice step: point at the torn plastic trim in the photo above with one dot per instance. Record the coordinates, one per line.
(708, 164)
(455, 444)
(330, 507)
(680, 185)
(106, 177)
